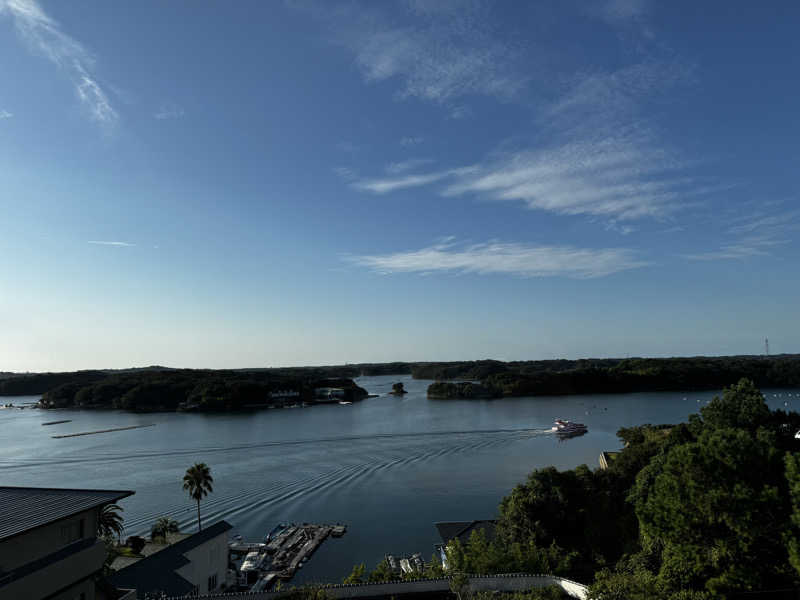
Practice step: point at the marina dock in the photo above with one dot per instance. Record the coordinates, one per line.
(284, 551)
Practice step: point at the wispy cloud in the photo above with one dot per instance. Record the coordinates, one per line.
(756, 234)
(414, 140)
(407, 165)
(169, 111)
(4, 114)
(766, 223)
(519, 260)
(109, 243)
(601, 99)
(622, 178)
(385, 185)
(392, 184)
(441, 51)
(346, 173)
(747, 247)
(460, 111)
(45, 36)
(596, 155)
(621, 11)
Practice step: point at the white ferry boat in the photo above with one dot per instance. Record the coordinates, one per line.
(565, 428)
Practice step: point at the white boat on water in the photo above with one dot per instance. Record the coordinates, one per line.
(562, 427)
(344, 402)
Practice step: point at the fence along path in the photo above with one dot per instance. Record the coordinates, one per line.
(512, 582)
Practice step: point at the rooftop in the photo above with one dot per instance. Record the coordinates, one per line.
(23, 509)
(157, 571)
(461, 530)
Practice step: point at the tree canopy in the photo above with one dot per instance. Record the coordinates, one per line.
(699, 510)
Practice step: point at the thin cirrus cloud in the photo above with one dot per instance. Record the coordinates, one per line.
(745, 248)
(445, 50)
(623, 177)
(169, 111)
(45, 37)
(4, 114)
(385, 185)
(407, 165)
(602, 100)
(754, 235)
(110, 243)
(612, 166)
(515, 259)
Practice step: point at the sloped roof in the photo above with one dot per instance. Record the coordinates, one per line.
(157, 571)
(23, 509)
(461, 530)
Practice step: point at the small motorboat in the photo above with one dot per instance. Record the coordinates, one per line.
(568, 428)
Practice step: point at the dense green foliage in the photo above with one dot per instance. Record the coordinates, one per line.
(704, 509)
(465, 389)
(533, 378)
(383, 572)
(207, 390)
(160, 388)
(162, 527)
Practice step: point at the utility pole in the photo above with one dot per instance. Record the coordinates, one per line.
(766, 346)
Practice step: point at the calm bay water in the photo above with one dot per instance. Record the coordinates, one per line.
(387, 467)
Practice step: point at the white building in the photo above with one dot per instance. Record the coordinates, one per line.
(196, 564)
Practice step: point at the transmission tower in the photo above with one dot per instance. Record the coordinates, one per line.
(766, 346)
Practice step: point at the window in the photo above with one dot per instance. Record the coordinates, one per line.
(212, 582)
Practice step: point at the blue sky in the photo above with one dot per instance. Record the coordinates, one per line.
(260, 183)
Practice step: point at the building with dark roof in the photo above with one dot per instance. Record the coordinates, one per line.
(195, 564)
(461, 531)
(48, 542)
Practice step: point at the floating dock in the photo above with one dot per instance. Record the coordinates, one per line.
(284, 551)
(69, 435)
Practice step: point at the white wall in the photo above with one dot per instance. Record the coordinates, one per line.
(206, 560)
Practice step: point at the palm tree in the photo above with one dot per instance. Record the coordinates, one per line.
(163, 526)
(197, 482)
(110, 521)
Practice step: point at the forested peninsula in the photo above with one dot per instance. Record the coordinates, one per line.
(163, 388)
(492, 379)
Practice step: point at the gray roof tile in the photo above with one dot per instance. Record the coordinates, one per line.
(22, 509)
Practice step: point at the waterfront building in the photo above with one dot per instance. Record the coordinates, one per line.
(196, 564)
(461, 530)
(48, 543)
(329, 394)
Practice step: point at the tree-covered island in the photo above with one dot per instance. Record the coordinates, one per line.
(494, 379)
